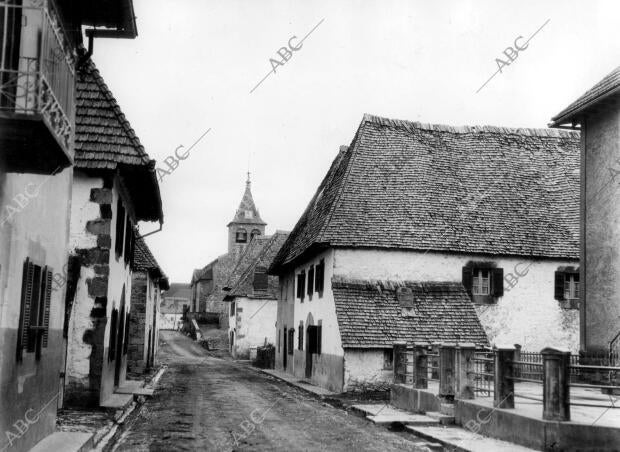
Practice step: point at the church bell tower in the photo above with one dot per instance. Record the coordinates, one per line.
(246, 224)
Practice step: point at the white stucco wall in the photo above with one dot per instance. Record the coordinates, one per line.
(253, 323)
(527, 314)
(364, 370)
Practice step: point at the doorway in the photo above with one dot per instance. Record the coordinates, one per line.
(311, 347)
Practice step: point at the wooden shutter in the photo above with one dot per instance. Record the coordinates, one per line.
(300, 336)
(128, 234)
(311, 280)
(497, 281)
(467, 279)
(559, 285)
(319, 338)
(112, 341)
(35, 310)
(260, 279)
(46, 298)
(126, 343)
(318, 277)
(120, 228)
(24, 315)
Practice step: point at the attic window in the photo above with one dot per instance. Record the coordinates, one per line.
(241, 236)
(404, 295)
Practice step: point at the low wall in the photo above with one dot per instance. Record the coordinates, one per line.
(416, 400)
(327, 371)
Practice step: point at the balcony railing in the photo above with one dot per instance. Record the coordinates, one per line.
(37, 67)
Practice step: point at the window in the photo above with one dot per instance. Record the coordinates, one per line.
(319, 283)
(129, 241)
(311, 282)
(241, 236)
(34, 315)
(319, 337)
(113, 333)
(261, 279)
(567, 286)
(388, 359)
(232, 308)
(483, 281)
(120, 228)
(255, 233)
(291, 341)
(301, 285)
(300, 336)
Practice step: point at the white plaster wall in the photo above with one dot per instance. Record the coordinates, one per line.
(527, 314)
(254, 322)
(169, 321)
(83, 210)
(363, 370)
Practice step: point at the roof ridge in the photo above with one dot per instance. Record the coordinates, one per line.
(412, 125)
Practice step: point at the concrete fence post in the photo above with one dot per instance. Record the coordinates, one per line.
(420, 365)
(556, 384)
(464, 367)
(447, 371)
(400, 362)
(503, 396)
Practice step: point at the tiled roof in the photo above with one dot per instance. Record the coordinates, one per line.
(178, 290)
(143, 260)
(609, 85)
(259, 253)
(369, 313)
(247, 205)
(425, 187)
(104, 140)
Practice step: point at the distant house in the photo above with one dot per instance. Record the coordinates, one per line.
(114, 187)
(435, 233)
(175, 301)
(39, 42)
(147, 282)
(597, 114)
(252, 296)
(208, 283)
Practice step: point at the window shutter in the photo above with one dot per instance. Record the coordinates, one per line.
(120, 227)
(320, 276)
(559, 286)
(47, 298)
(311, 280)
(467, 279)
(261, 279)
(300, 336)
(302, 285)
(24, 316)
(34, 319)
(319, 342)
(112, 341)
(128, 234)
(126, 343)
(497, 280)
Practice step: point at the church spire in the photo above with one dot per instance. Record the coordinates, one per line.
(247, 212)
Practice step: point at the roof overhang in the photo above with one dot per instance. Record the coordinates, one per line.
(143, 187)
(572, 118)
(115, 16)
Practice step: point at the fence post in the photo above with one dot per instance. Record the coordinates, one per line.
(400, 362)
(503, 396)
(420, 365)
(556, 384)
(447, 369)
(464, 367)
(517, 357)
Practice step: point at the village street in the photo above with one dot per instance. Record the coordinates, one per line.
(207, 403)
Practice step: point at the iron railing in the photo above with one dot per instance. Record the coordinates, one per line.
(482, 375)
(37, 66)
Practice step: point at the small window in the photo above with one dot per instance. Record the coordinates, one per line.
(567, 284)
(241, 236)
(388, 359)
(571, 286)
(311, 281)
(319, 277)
(481, 283)
(291, 341)
(232, 308)
(300, 336)
(261, 280)
(255, 233)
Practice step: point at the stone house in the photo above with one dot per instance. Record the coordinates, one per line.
(252, 296)
(114, 187)
(208, 283)
(37, 127)
(147, 283)
(464, 221)
(175, 301)
(597, 115)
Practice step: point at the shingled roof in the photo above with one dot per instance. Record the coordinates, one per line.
(370, 315)
(247, 205)
(259, 253)
(603, 90)
(143, 260)
(105, 141)
(426, 187)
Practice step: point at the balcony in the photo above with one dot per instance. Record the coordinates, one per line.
(37, 88)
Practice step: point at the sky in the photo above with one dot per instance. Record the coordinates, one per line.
(194, 63)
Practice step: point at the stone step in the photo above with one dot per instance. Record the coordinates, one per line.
(65, 441)
(384, 414)
(460, 439)
(443, 419)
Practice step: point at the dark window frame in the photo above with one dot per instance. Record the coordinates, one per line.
(120, 229)
(291, 341)
(319, 278)
(301, 285)
(496, 281)
(310, 285)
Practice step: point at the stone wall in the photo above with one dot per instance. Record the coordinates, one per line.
(136, 354)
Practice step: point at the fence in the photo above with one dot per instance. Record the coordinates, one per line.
(466, 371)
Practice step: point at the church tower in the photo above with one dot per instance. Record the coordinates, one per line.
(246, 225)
